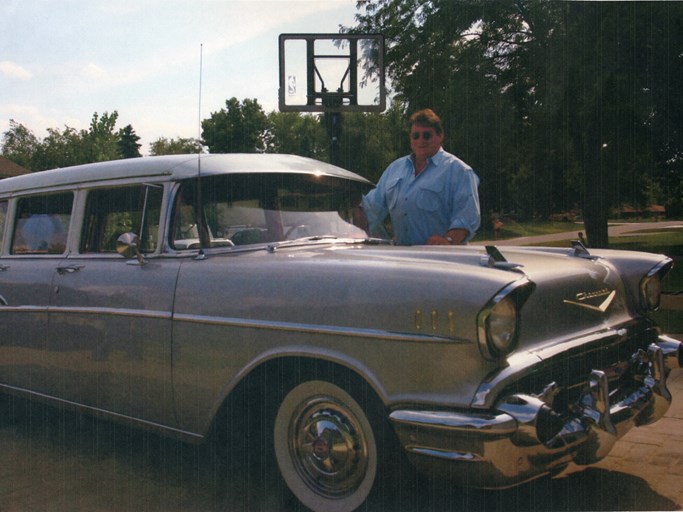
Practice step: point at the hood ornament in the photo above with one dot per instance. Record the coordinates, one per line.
(495, 259)
(599, 300)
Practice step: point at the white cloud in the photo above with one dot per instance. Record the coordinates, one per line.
(14, 71)
(33, 116)
(93, 71)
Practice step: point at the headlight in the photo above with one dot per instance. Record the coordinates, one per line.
(650, 292)
(501, 326)
(651, 285)
(498, 322)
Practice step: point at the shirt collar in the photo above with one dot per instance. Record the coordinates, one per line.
(436, 158)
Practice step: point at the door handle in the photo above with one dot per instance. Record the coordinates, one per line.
(69, 269)
(4, 267)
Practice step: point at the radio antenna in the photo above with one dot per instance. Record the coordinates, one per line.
(199, 108)
(199, 214)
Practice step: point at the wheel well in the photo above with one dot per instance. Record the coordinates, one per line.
(260, 392)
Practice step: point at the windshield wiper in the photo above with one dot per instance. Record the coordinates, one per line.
(297, 241)
(346, 240)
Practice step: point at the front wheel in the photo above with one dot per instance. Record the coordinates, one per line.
(325, 447)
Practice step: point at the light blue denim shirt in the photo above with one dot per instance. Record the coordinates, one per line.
(443, 196)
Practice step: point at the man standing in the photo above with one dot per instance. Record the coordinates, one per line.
(430, 195)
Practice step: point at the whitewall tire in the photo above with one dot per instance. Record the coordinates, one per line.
(325, 447)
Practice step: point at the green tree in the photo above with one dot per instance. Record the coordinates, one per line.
(128, 143)
(65, 147)
(621, 81)
(19, 144)
(296, 134)
(179, 146)
(371, 141)
(100, 141)
(240, 127)
(470, 61)
(552, 103)
(60, 149)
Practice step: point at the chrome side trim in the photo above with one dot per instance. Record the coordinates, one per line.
(330, 330)
(140, 313)
(25, 309)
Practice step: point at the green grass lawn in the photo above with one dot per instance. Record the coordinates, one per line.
(514, 229)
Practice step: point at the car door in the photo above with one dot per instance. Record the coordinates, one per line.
(110, 318)
(35, 245)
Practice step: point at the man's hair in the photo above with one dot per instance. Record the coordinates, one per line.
(426, 117)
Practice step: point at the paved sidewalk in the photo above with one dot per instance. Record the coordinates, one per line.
(655, 452)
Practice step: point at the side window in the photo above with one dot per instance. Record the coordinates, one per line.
(42, 224)
(3, 216)
(111, 212)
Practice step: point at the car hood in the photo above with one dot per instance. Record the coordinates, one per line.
(573, 295)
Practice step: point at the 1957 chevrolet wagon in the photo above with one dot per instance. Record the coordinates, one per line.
(156, 290)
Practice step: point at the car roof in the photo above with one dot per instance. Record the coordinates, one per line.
(175, 167)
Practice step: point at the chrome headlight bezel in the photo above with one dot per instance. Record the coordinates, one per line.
(651, 285)
(498, 323)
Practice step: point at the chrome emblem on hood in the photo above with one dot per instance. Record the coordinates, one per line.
(598, 301)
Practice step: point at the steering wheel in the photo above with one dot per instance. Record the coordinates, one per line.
(301, 231)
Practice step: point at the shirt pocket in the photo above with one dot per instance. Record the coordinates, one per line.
(430, 197)
(393, 192)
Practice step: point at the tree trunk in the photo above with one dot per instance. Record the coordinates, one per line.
(596, 197)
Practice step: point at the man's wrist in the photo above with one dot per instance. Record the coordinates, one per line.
(456, 236)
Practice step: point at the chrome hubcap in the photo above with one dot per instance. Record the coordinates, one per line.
(328, 447)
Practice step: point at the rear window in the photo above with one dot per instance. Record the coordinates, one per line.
(42, 224)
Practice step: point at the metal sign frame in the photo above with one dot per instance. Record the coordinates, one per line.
(338, 100)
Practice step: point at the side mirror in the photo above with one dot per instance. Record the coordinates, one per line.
(128, 246)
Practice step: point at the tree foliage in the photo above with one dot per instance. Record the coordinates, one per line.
(128, 143)
(240, 127)
(19, 144)
(179, 146)
(297, 134)
(371, 141)
(68, 146)
(553, 103)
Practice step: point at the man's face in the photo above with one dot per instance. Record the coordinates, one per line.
(424, 141)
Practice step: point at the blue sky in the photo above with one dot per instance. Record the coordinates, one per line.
(63, 60)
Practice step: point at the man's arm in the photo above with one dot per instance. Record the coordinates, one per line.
(454, 236)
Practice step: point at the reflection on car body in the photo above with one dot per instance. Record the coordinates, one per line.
(245, 289)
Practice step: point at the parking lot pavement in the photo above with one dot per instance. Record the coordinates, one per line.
(655, 452)
(56, 461)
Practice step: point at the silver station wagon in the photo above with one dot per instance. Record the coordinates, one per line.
(201, 295)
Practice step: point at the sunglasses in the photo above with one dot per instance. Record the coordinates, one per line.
(425, 135)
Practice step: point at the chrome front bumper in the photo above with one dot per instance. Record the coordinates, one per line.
(524, 438)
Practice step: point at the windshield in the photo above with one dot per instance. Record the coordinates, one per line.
(240, 209)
